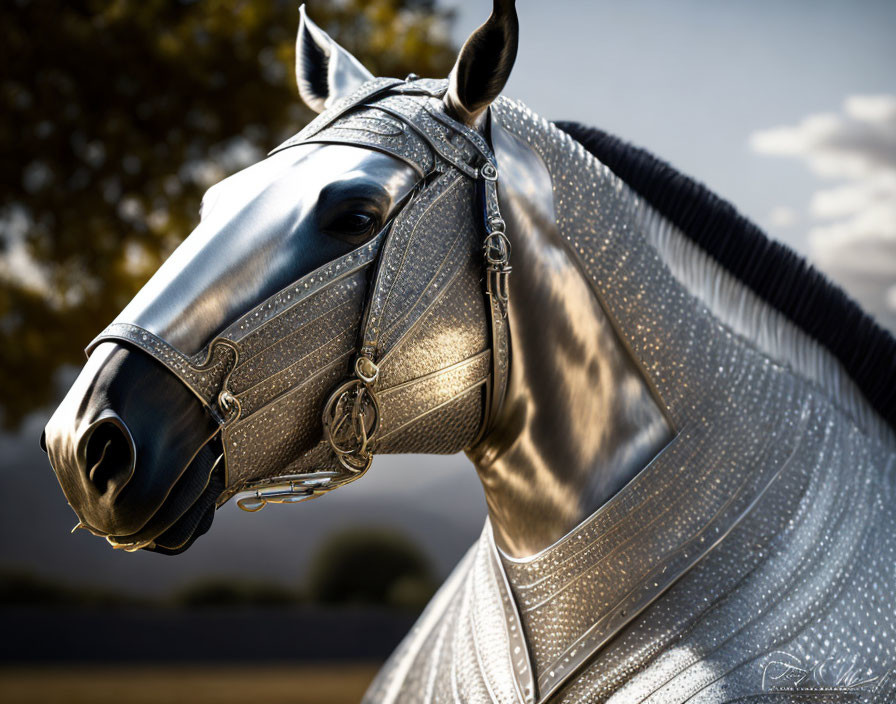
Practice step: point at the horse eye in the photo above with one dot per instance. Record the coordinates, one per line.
(353, 225)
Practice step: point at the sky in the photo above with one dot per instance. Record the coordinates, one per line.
(786, 109)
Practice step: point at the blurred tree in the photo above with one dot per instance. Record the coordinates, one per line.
(226, 591)
(370, 567)
(18, 588)
(117, 115)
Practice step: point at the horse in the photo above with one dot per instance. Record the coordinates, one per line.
(685, 434)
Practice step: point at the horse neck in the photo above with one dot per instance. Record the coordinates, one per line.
(620, 332)
(764, 458)
(579, 420)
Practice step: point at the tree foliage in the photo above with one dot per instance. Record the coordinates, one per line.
(118, 114)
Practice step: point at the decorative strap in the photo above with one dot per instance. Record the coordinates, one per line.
(497, 273)
(207, 376)
(351, 416)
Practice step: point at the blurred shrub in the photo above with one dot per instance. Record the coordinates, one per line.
(26, 589)
(225, 591)
(116, 116)
(364, 566)
(411, 592)
(369, 566)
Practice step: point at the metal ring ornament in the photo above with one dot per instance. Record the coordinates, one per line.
(488, 172)
(366, 370)
(351, 419)
(230, 404)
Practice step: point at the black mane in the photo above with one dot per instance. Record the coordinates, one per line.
(773, 271)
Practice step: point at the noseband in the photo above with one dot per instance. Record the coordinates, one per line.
(405, 119)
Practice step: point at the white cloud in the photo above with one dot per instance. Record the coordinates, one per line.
(873, 109)
(890, 298)
(852, 232)
(851, 144)
(782, 216)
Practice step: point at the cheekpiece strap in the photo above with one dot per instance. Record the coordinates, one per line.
(497, 273)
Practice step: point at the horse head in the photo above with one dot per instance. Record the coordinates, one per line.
(329, 305)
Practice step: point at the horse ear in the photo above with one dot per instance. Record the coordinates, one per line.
(325, 71)
(484, 64)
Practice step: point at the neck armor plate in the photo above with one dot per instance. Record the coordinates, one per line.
(381, 350)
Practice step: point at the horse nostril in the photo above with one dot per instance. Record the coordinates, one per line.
(43, 441)
(109, 456)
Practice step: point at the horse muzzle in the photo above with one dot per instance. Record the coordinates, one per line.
(134, 452)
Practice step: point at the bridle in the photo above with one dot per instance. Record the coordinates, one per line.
(352, 412)
(406, 119)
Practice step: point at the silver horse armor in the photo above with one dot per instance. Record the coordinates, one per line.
(753, 560)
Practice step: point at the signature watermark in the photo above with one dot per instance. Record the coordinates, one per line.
(784, 671)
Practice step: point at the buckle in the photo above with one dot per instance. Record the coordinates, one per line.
(290, 490)
(497, 249)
